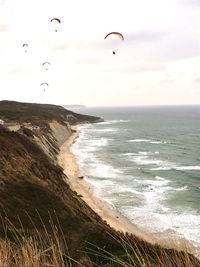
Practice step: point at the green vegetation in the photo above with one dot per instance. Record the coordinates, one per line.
(36, 113)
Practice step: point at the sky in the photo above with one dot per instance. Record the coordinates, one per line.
(157, 63)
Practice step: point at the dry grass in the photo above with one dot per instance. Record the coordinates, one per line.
(34, 250)
(31, 253)
(137, 255)
(50, 250)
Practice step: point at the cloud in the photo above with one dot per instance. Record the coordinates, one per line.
(144, 67)
(145, 36)
(61, 46)
(4, 28)
(197, 80)
(167, 81)
(80, 45)
(2, 2)
(14, 70)
(195, 3)
(173, 48)
(88, 61)
(181, 48)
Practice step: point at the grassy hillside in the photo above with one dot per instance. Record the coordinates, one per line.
(32, 112)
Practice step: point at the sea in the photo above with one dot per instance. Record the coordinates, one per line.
(145, 162)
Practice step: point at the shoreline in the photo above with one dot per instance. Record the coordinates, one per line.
(68, 161)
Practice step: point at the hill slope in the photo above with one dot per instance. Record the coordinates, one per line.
(35, 113)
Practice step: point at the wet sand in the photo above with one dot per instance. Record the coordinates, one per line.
(68, 161)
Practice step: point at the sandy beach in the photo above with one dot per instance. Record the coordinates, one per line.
(68, 162)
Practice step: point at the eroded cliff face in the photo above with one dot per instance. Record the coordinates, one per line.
(52, 137)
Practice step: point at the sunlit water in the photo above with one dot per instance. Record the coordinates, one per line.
(146, 162)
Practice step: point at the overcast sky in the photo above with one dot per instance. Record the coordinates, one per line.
(158, 63)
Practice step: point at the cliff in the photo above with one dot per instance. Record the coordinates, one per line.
(34, 192)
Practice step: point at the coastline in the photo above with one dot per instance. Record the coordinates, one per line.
(68, 161)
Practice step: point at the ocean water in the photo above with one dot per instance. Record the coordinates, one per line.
(145, 161)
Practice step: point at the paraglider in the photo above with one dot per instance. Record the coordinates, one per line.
(25, 46)
(115, 35)
(44, 85)
(55, 20)
(46, 64)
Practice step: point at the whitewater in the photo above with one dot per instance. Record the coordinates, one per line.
(145, 161)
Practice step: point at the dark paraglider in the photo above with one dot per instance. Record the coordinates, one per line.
(55, 21)
(44, 85)
(25, 46)
(46, 65)
(114, 34)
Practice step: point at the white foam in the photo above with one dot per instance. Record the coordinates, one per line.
(144, 160)
(130, 154)
(186, 224)
(99, 142)
(162, 168)
(183, 188)
(178, 168)
(101, 183)
(158, 142)
(102, 170)
(159, 178)
(112, 122)
(145, 153)
(187, 168)
(158, 185)
(139, 140)
(147, 141)
(144, 218)
(106, 130)
(140, 153)
(129, 190)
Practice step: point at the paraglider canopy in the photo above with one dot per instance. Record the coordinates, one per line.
(118, 34)
(55, 20)
(44, 84)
